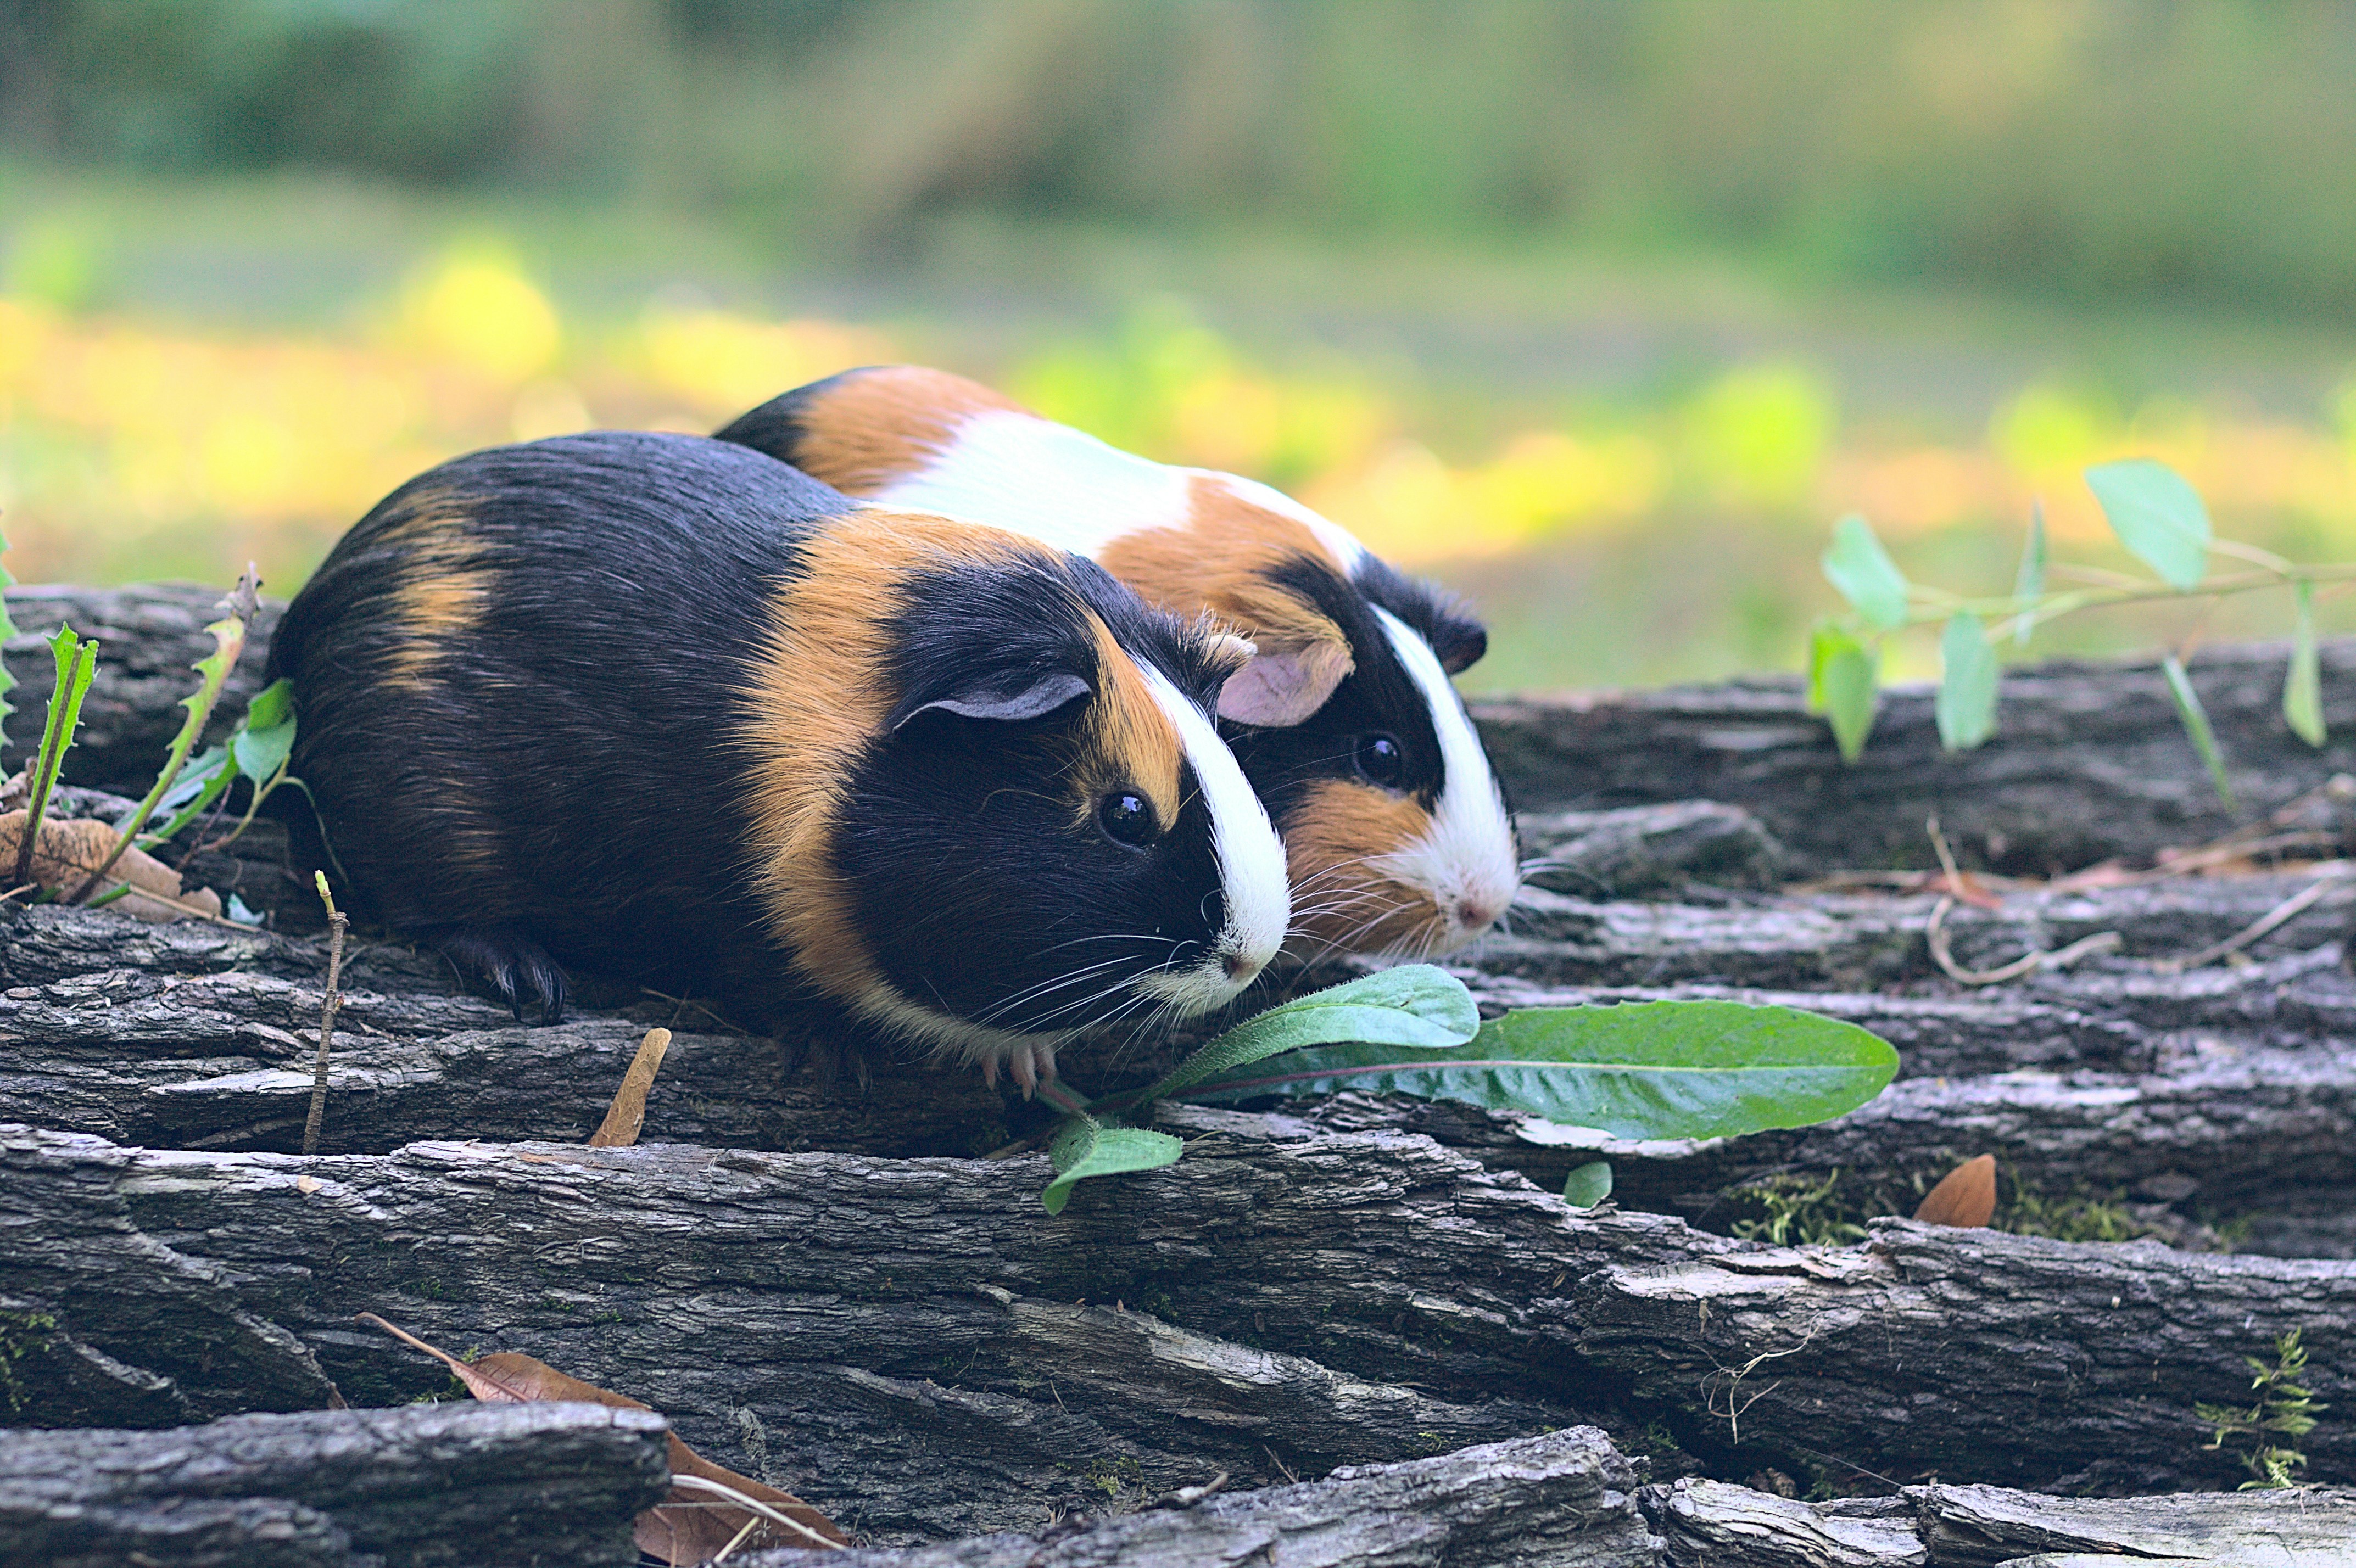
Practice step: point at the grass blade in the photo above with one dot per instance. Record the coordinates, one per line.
(2195, 719)
(2303, 682)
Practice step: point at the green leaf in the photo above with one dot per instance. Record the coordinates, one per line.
(2157, 516)
(1850, 684)
(1084, 1146)
(77, 665)
(2195, 719)
(271, 706)
(1415, 1005)
(1866, 576)
(2028, 585)
(1642, 1069)
(261, 752)
(1587, 1185)
(2303, 682)
(1967, 684)
(200, 784)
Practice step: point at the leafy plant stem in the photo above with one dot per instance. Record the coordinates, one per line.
(228, 641)
(77, 663)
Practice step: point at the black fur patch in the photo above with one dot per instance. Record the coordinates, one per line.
(1377, 697)
(567, 771)
(1442, 618)
(776, 427)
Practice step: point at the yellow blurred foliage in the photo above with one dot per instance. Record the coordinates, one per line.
(127, 449)
(481, 312)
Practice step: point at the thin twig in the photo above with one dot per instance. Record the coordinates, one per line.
(1934, 934)
(2286, 910)
(753, 1505)
(329, 1006)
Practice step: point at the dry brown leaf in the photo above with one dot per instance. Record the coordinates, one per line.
(66, 851)
(627, 1114)
(686, 1527)
(1965, 1196)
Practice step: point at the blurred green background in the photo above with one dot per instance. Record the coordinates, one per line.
(1600, 312)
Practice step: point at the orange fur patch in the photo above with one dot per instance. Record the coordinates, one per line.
(820, 696)
(874, 426)
(1130, 743)
(1340, 902)
(1219, 563)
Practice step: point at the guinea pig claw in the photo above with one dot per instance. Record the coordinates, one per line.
(513, 967)
(1024, 1070)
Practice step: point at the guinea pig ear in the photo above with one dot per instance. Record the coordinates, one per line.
(1286, 682)
(1459, 642)
(1008, 695)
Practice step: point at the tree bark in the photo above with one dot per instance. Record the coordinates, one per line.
(456, 1484)
(912, 1358)
(895, 1329)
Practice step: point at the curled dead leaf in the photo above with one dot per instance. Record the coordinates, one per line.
(67, 851)
(710, 1507)
(627, 1114)
(1965, 1196)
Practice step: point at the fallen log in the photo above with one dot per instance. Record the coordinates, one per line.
(1562, 1500)
(490, 1484)
(891, 1367)
(1713, 1524)
(2091, 762)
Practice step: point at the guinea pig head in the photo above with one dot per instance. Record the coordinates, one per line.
(1396, 831)
(993, 807)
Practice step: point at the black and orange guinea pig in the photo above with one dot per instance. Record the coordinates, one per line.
(663, 708)
(1346, 723)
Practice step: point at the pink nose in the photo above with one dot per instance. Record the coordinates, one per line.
(1474, 913)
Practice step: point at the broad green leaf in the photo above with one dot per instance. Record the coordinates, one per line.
(2028, 585)
(1851, 682)
(261, 752)
(2303, 682)
(1866, 576)
(1967, 684)
(2195, 719)
(1085, 1147)
(1415, 1005)
(1642, 1069)
(2157, 516)
(271, 706)
(1587, 1185)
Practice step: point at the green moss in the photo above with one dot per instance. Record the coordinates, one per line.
(2084, 1215)
(20, 1333)
(1788, 1208)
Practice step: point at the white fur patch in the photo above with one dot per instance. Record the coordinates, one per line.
(1465, 858)
(1045, 481)
(1252, 881)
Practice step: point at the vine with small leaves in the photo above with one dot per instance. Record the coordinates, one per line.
(2161, 522)
(2284, 1412)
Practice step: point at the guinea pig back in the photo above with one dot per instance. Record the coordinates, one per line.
(1394, 825)
(661, 707)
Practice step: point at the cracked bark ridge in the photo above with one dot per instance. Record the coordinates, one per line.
(456, 1484)
(1562, 1500)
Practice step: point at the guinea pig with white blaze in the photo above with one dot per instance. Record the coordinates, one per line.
(664, 709)
(1398, 835)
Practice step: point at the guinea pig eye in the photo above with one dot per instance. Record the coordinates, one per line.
(1127, 818)
(1381, 760)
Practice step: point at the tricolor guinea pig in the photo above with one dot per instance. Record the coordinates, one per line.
(662, 708)
(1346, 723)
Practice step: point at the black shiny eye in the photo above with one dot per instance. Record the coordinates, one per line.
(1380, 759)
(1127, 818)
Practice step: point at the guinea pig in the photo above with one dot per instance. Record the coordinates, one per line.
(1398, 835)
(662, 708)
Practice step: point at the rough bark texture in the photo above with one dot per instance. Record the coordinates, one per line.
(459, 1483)
(819, 1282)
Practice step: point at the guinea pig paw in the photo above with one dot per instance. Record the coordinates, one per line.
(511, 964)
(1031, 1065)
